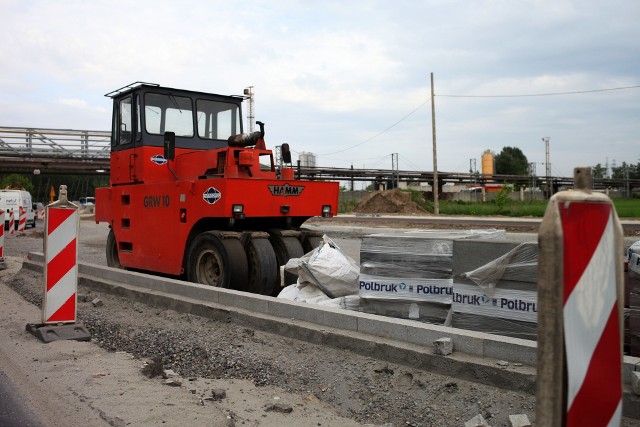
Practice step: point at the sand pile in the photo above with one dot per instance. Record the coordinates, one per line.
(389, 201)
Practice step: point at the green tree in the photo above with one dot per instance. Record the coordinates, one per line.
(511, 161)
(16, 180)
(621, 172)
(503, 199)
(598, 171)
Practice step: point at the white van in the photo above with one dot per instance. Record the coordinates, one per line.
(13, 200)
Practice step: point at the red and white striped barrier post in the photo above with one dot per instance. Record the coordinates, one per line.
(2, 264)
(41, 213)
(580, 297)
(61, 263)
(22, 221)
(12, 224)
(59, 307)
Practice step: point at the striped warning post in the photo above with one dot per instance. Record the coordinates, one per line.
(41, 214)
(22, 221)
(2, 263)
(59, 307)
(61, 267)
(12, 224)
(591, 315)
(2, 235)
(580, 299)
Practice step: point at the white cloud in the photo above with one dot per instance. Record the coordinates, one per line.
(329, 76)
(78, 103)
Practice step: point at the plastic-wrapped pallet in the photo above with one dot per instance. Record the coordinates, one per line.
(633, 256)
(632, 301)
(495, 287)
(409, 274)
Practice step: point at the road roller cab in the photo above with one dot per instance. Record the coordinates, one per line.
(190, 194)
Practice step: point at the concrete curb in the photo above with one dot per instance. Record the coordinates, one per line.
(392, 340)
(477, 344)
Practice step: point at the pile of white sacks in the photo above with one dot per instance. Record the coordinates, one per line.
(326, 276)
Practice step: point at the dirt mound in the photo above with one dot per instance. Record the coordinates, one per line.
(389, 201)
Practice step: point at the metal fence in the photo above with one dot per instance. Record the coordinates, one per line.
(54, 143)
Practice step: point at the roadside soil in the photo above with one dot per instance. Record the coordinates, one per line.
(268, 380)
(389, 201)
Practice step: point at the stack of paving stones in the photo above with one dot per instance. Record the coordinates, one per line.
(631, 308)
(495, 287)
(409, 275)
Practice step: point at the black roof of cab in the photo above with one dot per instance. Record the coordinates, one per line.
(125, 90)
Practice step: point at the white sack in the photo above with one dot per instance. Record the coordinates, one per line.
(328, 268)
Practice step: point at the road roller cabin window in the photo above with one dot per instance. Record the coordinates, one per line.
(217, 120)
(138, 121)
(168, 113)
(124, 126)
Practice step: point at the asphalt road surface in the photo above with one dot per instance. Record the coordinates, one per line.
(13, 411)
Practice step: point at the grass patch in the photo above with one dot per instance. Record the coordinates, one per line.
(511, 208)
(626, 208)
(347, 206)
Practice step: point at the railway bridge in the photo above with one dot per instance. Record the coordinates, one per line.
(86, 152)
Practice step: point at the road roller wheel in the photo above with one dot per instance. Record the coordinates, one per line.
(239, 266)
(263, 266)
(286, 245)
(113, 259)
(310, 242)
(213, 261)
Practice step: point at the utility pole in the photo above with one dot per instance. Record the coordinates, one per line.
(395, 168)
(436, 204)
(352, 178)
(548, 165)
(473, 170)
(532, 182)
(251, 115)
(627, 189)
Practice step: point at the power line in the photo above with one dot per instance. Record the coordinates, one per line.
(351, 160)
(541, 94)
(413, 165)
(380, 160)
(379, 133)
(324, 155)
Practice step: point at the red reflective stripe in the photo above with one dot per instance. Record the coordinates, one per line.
(582, 227)
(56, 217)
(61, 264)
(601, 391)
(66, 312)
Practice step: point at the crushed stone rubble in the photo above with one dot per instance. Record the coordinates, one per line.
(178, 348)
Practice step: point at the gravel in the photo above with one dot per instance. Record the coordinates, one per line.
(364, 389)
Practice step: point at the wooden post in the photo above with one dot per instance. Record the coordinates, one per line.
(436, 196)
(580, 301)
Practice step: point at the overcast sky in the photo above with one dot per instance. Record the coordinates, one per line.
(348, 80)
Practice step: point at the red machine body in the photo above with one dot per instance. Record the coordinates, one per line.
(176, 182)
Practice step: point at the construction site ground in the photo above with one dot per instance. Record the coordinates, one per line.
(268, 380)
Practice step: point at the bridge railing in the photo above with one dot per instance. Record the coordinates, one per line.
(54, 143)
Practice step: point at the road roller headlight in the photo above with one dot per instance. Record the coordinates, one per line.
(238, 211)
(326, 211)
